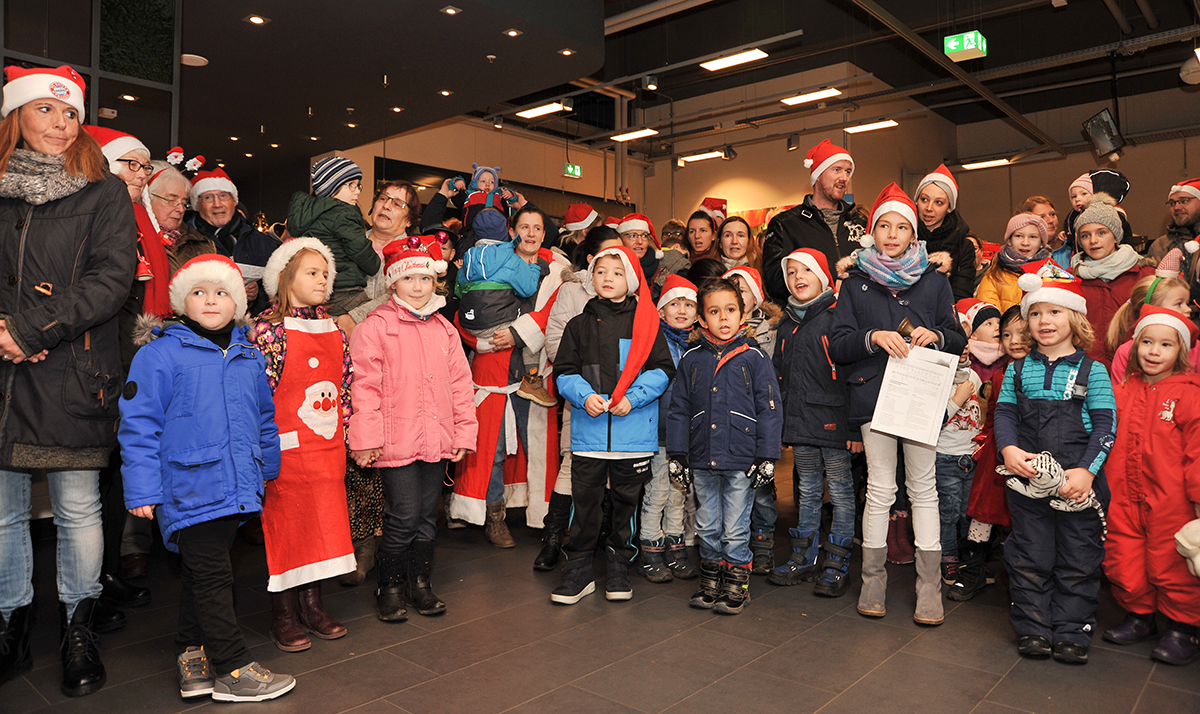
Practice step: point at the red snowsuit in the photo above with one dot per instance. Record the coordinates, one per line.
(1154, 473)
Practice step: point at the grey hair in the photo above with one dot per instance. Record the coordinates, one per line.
(164, 174)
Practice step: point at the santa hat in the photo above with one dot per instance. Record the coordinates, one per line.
(641, 222)
(645, 318)
(975, 312)
(284, 254)
(613, 222)
(716, 208)
(824, 155)
(675, 287)
(1155, 315)
(115, 144)
(816, 262)
(751, 276)
(1171, 266)
(943, 179)
(432, 243)
(1191, 186)
(1022, 220)
(1101, 208)
(25, 85)
(481, 170)
(891, 199)
(213, 268)
(1047, 281)
(400, 259)
(215, 180)
(579, 216)
(1110, 181)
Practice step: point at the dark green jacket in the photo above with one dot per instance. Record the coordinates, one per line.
(339, 226)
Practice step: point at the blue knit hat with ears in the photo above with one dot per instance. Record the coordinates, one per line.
(479, 171)
(331, 173)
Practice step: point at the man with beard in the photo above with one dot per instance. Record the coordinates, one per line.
(1183, 201)
(824, 221)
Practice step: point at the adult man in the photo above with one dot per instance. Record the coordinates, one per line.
(214, 213)
(1183, 201)
(824, 221)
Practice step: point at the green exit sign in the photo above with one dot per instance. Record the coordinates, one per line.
(965, 46)
(572, 171)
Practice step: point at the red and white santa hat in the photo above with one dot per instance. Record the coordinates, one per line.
(284, 254)
(1191, 186)
(579, 216)
(400, 259)
(25, 85)
(751, 276)
(824, 155)
(215, 180)
(645, 318)
(975, 312)
(891, 199)
(716, 208)
(816, 262)
(115, 144)
(943, 179)
(613, 222)
(675, 287)
(212, 268)
(1155, 315)
(432, 243)
(641, 222)
(1047, 281)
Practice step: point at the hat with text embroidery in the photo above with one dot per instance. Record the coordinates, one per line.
(401, 259)
(25, 85)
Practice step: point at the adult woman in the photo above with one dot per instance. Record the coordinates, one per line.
(1060, 248)
(944, 230)
(1107, 268)
(738, 246)
(701, 236)
(69, 244)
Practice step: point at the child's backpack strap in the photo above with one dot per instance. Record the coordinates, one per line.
(1017, 367)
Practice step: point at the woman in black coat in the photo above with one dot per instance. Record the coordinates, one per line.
(944, 230)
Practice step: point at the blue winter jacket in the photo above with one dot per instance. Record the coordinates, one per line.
(725, 407)
(197, 433)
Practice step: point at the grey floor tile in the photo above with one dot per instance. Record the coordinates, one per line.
(480, 600)
(973, 636)
(776, 615)
(986, 707)
(753, 694)
(1163, 700)
(835, 654)
(379, 706)
(915, 684)
(499, 683)
(632, 629)
(1109, 682)
(574, 700)
(1186, 678)
(656, 678)
(363, 636)
(158, 692)
(124, 664)
(20, 696)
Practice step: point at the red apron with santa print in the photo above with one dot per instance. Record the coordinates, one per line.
(305, 518)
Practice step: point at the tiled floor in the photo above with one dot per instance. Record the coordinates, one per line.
(502, 647)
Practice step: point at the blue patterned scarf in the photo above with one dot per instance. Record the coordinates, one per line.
(894, 273)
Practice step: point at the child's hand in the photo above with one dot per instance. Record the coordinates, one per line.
(963, 392)
(457, 455)
(923, 336)
(146, 512)
(855, 447)
(1017, 460)
(621, 408)
(365, 457)
(1078, 485)
(891, 342)
(595, 405)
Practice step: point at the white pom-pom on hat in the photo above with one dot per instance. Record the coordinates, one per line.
(1191, 246)
(808, 163)
(867, 241)
(1029, 282)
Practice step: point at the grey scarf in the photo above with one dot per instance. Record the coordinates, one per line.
(38, 178)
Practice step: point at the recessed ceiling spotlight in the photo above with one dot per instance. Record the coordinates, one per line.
(352, 125)
(256, 19)
(221, 164)
(451, 10)
(233, 138)
(193, 60)
(249, 155)
(274, 146)
(129, 97)
(313, 138)
(566, 52)
(445, 92)
(512, 32)
(397, 109)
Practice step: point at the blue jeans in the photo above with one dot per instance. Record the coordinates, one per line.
(954, 474)
(662, 502)
(815, 464)
(495, 489)
(764, 514)
(75, 500)
(723, 518)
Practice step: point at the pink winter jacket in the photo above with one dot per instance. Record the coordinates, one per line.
(412, 392)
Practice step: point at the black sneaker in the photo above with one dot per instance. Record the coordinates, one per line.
(195, 676)
(1033, 646)
(577, 581)
(1070, 653)
(616, 585)
(949, 569)
(252, 683)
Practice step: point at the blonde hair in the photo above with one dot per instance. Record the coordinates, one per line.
(1082, 334)
(281, 306)
(1182, 365)
(1121, 327)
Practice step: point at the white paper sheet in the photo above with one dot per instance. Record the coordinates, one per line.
(250, 273)
(912, 398)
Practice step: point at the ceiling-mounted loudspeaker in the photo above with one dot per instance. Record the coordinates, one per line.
(1190, 71)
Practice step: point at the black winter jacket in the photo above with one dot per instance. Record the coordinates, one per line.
(238, 240)
(67, 266)
(803, 226)
(951, 237)
(816, 394)
(865, 306)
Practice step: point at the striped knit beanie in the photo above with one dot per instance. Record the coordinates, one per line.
(333, 172)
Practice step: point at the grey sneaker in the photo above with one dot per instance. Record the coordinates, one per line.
(195, 677)
(252, 683)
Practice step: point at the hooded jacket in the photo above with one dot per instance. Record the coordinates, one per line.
(340, 227)
(815, 389)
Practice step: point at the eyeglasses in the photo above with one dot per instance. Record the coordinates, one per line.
(636, 235)
(1173, 202)
(393, 200)
(135, 165)
(214, 196)
(173, 203)
(672, 234)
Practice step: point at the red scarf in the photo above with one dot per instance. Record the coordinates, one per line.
(158, 298)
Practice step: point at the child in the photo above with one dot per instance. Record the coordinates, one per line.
(331, 215)
(986, 506)
(306, 521)
(815, 423)
(1172, 293)
(762, 321)
(728, 385)
(613, 364)
(1153, 474)
(414, 407)
(198, 438)
(1060, 401)
(954, 467)
(664, 555)
(891, 284)
(1025, 241)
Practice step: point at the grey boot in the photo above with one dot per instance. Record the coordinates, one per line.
(872, 599)
(929, 588)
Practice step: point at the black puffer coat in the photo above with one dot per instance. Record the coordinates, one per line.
(951, 237)
(65, 270)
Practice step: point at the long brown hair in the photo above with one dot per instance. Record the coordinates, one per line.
(82, 158)
(281, 305)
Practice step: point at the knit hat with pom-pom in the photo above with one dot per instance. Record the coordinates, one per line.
(1101, 208)
(1171, 266)
(975, 312)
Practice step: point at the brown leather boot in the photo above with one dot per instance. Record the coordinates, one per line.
(364, 560)
(494, 527)
(313, 616)
(285, 628)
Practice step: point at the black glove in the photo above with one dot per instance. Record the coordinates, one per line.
(679, 471)
(761, 473)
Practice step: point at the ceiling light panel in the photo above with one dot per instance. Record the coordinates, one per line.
(734, 60)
